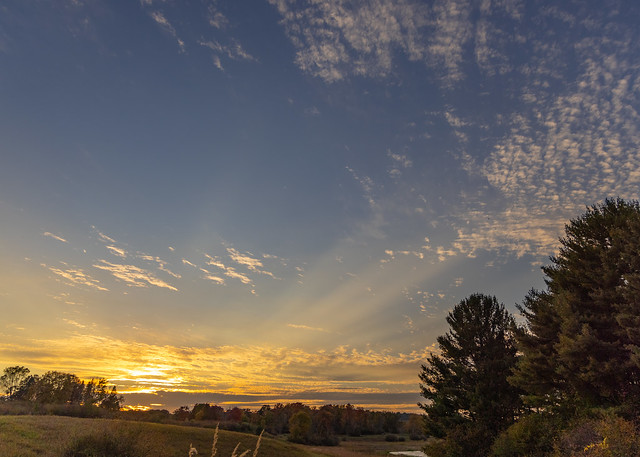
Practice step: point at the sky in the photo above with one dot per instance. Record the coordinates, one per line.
(260, 201)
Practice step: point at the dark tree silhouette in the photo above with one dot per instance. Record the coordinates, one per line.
(469, 400)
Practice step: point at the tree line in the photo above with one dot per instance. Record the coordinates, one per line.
(57, 388)
(306, 424)
(564, 382)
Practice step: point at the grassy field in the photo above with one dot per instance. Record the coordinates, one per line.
(54, 436)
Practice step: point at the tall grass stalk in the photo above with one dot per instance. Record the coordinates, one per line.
(214, 450)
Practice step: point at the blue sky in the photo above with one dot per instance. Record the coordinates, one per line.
(275, 200)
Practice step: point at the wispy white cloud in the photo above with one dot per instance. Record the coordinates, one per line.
(227, 271)
(216, 279)
(55, 237)
(216, 18)
(133, 275)
(232, 273)
(233, 51)
(367, 186)
(306, 327)
(74, 323)
(117, 251)
(102, 237)
(247, 260)
(162, 21)
(391, 255)
(191, 264)
(76, 276)
(162, 265)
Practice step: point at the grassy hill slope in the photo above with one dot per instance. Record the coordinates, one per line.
(52, 436)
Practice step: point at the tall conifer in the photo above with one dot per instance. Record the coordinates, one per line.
(469, 400)
(586, 323)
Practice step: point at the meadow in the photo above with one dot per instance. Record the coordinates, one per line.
(57, 436)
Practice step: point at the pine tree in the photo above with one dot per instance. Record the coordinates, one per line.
(536, 373)
(586, 323)
(469, 398)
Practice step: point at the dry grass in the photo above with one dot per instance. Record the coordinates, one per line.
(52, 436)
(214, 448)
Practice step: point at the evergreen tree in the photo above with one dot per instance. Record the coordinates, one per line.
(536, 373)
(469, 398)
(583, 344)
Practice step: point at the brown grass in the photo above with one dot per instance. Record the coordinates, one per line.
(50, 436)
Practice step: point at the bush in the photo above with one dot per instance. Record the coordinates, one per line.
(391, 438)
(532, 435)
(103, 444)
(609, 436)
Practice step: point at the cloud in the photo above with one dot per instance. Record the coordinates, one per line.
(55, 237)
(233, 51)
(367, 186)
(186, 262)
(261, 369)
(74, 323)
(229, 272)
(216, 279)
(76, 276)
(249, 262)
(216, 18)
(571, 140)
(133, 275)
(338, 39)
(162, 21)
(104, 238)
(306, 327)
(117, 251)
(162, 265)
(392, 255)
(232, 273)
(335, 39)
(400, 159)
(246, 259)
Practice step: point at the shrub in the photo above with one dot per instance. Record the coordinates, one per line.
(609, 436)
(104, 444)
(391, 438)
(532, 435)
